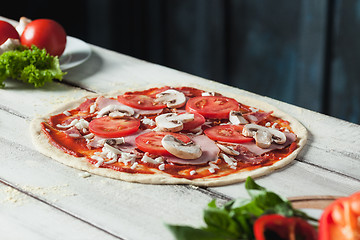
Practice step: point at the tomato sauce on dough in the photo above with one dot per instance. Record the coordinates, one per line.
(71, 140)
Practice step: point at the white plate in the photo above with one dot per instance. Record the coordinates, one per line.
(76, 52)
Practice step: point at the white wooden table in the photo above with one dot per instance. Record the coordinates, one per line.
(43, 199)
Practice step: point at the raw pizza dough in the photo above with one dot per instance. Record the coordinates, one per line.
(42, 144)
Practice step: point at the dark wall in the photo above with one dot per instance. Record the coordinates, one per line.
(302, 52)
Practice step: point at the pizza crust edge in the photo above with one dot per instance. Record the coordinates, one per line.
(42, 144)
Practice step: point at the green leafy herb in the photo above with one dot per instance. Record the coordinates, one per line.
(33, 66)
(235, 219)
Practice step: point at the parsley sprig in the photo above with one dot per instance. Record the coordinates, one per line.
(34, 66)
(235, 219)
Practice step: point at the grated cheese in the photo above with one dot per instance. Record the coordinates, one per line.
(148, 159)
(148, 121)
(134, 165)
(89, 136)
(228, 149)
(82, 124)
(93, 108)
(162, 167)
(159, 159)
(213, 166)
(208, 94)
(67, 113)
(229, 160)
(99, 160)
(74, 135)
(75, 121)
(127, 158)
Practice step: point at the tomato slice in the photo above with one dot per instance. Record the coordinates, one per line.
(227, 133)
(7, 31)
(143, 102)
(212, 106)
(151, 142)
(198, 121)
(108, 127)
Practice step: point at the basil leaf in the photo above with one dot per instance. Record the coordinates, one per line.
(219, 220)
(251, 185)
(235, 219)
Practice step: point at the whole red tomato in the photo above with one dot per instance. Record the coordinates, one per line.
(7, 31)
(45, 33)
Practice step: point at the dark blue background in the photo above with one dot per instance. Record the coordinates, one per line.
(302, 52)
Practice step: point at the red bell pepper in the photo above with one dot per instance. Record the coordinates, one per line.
(341, 219)
(274, 226)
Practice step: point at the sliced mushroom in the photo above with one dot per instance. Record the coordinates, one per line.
(116, 111)
(185, 117)
(236, 118)
(277, 136)
(263, 138)
(114, 141)
(172, 122)
(172, 98)
(228, 149)
(249, 130)
(168, 123)
(263, 135)
(180, 149)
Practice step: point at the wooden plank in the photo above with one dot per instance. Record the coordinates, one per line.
(29, 102)
(22, 215)
(128, 210)
(299, 179)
